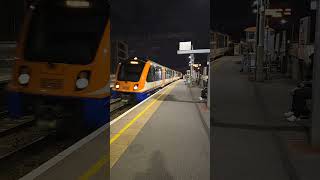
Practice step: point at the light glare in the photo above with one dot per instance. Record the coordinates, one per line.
(78, 4)
(134, 62)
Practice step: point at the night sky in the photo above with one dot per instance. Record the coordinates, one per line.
(135, 18)
(233, 16)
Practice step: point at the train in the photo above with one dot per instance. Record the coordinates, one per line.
(137, 78)
(62, 66)
(220, 45)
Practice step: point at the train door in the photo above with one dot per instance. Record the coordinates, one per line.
(164, 71)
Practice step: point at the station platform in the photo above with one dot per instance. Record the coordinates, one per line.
(164, 137)
(251, 139)
(170, 140)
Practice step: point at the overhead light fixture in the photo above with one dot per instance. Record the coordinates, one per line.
(283, 21)
(77, 4)
(134, 62)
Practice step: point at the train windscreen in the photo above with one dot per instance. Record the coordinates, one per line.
(66, 33)
(130, 72)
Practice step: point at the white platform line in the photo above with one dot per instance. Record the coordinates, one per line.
(55, 160)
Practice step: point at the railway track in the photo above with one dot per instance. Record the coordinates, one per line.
(24, 146)
(32, 151)
(118, 107)
(118, 104)
(3, 114)
(16, 135)
(21, 141)
(9, 126)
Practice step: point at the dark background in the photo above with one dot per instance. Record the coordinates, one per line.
(152, 28)
(11, 14)
(233, 16)
(156, 27)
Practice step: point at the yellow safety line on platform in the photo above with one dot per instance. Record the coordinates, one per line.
(97, 166)
(135, 118)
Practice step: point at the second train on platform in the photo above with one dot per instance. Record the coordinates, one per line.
(137, 79)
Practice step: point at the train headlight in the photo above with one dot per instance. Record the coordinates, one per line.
(82, 83)
(117, 86)
(83, 80)
(24, 76)
(24, 79)
(135, 87)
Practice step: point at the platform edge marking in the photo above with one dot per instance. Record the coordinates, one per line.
(96, 167)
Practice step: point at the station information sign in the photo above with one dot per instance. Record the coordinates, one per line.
(185, 46)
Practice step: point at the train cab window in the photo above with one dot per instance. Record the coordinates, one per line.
(151, 74)
(130, 72)
(60, 33)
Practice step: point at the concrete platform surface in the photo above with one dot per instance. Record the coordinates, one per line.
(84, 160)
(163, 137)
(173, 143)
(249, 135)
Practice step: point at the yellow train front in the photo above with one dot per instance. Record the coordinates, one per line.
(63, 63)
(137, 79)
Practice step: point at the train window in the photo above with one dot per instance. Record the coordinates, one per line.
(130, 72)
(151, 74)
(168, 73)
(251, 35)
(158, 73)
(62, 34)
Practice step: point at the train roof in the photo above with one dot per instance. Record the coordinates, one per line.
(145, 60)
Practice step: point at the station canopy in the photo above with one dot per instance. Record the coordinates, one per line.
(253, 29)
